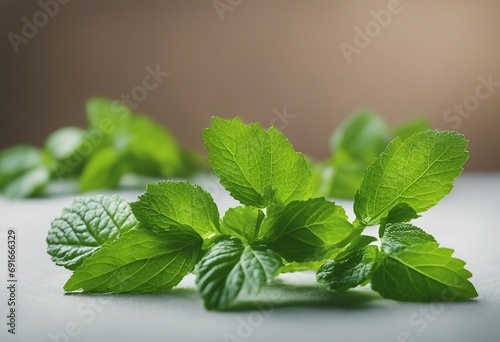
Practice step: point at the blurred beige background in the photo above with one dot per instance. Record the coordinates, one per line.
(253, 58)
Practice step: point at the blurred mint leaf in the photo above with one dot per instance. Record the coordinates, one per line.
(17, 160)
(103, 170)
(85, 226)
(231, 268)
(106, 115)
(139, 261)
(418, 171)
(29, 183)
(257, 167)
(69, 146)
(355, 144)
(153, 150)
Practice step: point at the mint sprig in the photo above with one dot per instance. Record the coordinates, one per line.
(117, 142)
(279, 227)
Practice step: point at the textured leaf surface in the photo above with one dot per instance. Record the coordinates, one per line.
(176, 204)
(401, 212)
(256, 166)
(307, 230)
(419, 172)
(231, 268)
(242, 222)
(350, 271)
(415, 268)
(84, 227)
(139, 261)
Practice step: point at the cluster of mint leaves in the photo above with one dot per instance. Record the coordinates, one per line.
(174, 228)
(354, 145)
(116, 142)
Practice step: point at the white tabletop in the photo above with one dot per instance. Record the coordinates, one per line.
(295, 309)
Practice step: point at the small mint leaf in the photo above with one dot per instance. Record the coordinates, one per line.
(231, 268)
(242, 222)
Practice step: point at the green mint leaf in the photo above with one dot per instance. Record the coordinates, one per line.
(355, 144)
(242, 222)
(85, 226)
(415, 268)
(306, 230)
(153, 150)
(351, 270)
(402, 212)
(399, 236)
(139, 261)
(173, 204)
(231, 268)
(69, 146)
(407, 129)
(106, 115)
(17, 160)
(256, 166)
(30, 183)
(418, 171)
(103, 171)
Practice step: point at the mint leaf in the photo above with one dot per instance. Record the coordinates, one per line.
(418, 171)
(173, 204)
(139, 261)
(23, 172)
(402, 212)
(17, 160)
(256, 166)
(85, 226)
(153, 150)
(399, 236)
(65, 144)
(30, 183)
(307, 230)
(355, 144)
(231, 268)
(415, 268)
(106, 115)
(103, 171)
(349, 271)
(242, 222)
